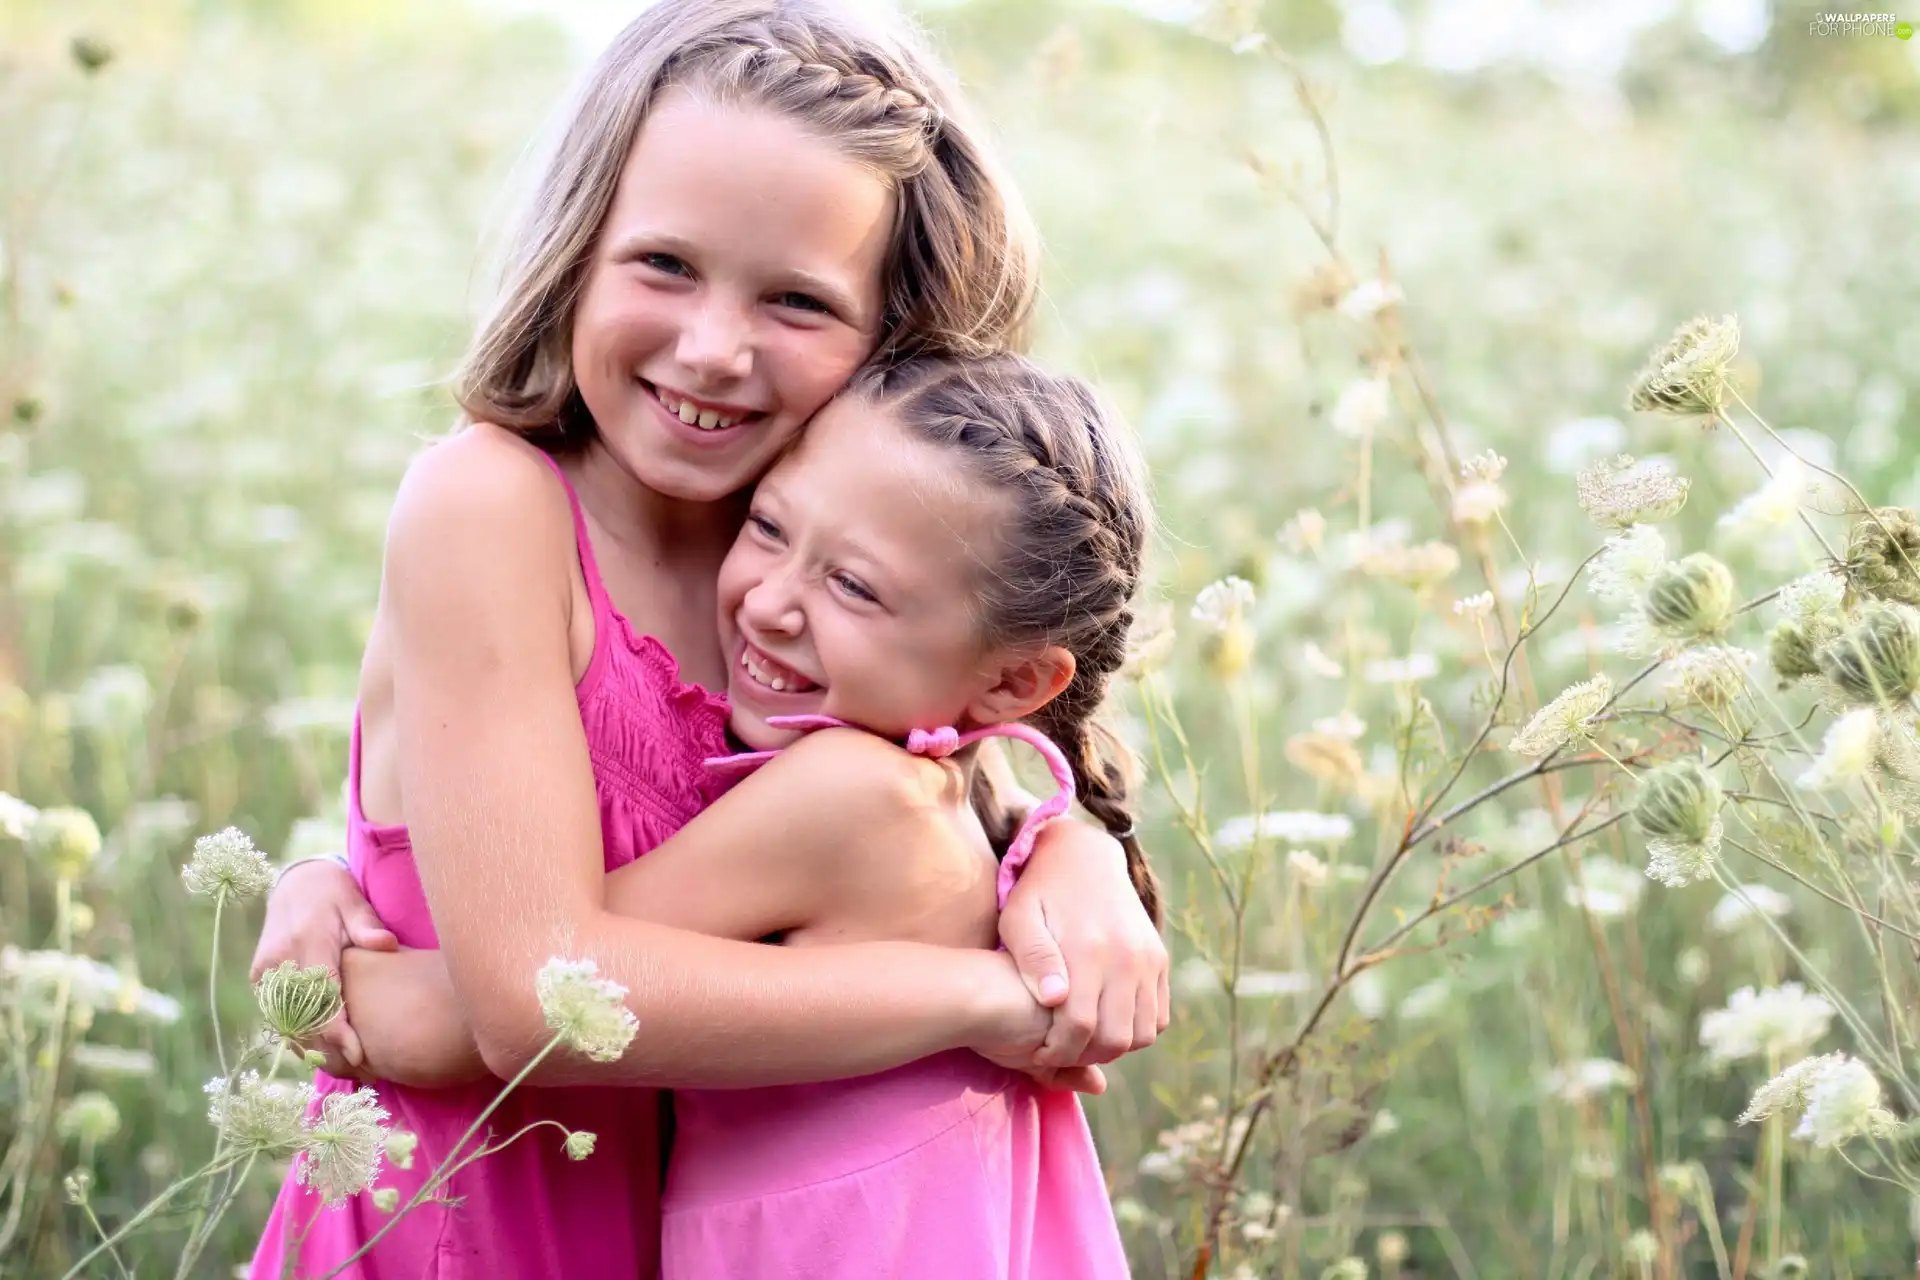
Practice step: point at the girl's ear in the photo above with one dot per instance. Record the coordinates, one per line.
(1022, 684)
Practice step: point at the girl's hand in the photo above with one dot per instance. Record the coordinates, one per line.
(1086, 948)
(314, 914)
(1013, 1028)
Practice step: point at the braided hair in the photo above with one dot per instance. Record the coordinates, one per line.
(960, 273)
(1073, 551)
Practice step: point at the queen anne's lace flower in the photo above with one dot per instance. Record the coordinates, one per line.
(587, 1011)
(1223, 604)
(257, 1115)
(1589, 1078)
(1687, 374)
(1750, 903)
(1283, 826)
(1363, 408)
(296, 1002)
(1568, 718)
(1773, 504)
(1617, 493)
(1777, 1022)
(227, 863)
(343, 1146)
(1627, 562)
(1840, 1096)
(1847, 752)
(1678, 807)
(1709, 675)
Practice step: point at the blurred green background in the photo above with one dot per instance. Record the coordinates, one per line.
(239, 244)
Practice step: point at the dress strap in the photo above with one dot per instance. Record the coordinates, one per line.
(944, 741)
(589, 567)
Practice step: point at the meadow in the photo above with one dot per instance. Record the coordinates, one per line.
(1538, 822)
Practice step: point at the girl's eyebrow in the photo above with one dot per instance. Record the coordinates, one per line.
(798, 279)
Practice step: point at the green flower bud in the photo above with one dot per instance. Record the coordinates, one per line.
(1877, 659)
(386, 1199)
(1883, 555)
(1678, 801)
(67, 839)
(580, 1144)
(79, 1186)
(1791, 652)
(1691, 597)
(400, 1148)
(89, 1118)
(297, 1002)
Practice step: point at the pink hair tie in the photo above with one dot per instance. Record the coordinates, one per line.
(935, 744)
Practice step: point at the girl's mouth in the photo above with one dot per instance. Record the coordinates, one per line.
(769, 673)
(700, 415)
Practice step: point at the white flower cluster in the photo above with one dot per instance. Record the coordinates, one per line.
(1589, 1078)
(1778, 1021)
(1567, 719)
(1283, 826)
(226, 864)
(1223, 605)
(1837, 1095)
(38, 976)
(587, 1011)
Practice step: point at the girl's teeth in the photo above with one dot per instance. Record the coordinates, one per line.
(688, 414)
(709, 419)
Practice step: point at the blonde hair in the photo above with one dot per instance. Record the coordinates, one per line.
(1075, 545)
(960, 272)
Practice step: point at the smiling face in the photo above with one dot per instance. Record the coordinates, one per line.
(735, 286)
(852, 591)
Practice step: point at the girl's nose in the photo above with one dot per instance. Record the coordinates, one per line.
(716, 344)
(772, 605)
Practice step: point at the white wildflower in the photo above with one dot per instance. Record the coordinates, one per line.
(1588, 1079)
(1418, 565)
(114, 699)
(1267, 984)
(1627, 563)
(1308, 871)
(1606, 888)
(297, 1002)
(1781, 1021)
(1315, 662)
(1426, 1000)
(1283, 826)
(579, 1144)
(17, 817)
(1708, 675)
(1677, 863)
(1774, 503)
(1488, 466)
(1342, 724)
(1817, 598)
(1847, 751)
(1750, 902)
(585, 1009)
(227, 864)
(1363, 408)
(1687, 374)
(1843, 1101)
(1474, 606)
(1369, 297)
(1305, 532)
(1411, 669)
(89, 1118)
(256, 1115)
(1478, 502)
(1617, 493)
(343, 1146)
(1567, 719)
(112, 1061)
(1224, 604)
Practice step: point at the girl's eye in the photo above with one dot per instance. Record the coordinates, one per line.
(853, 588)
(763, 526)
(803, 302)
(665, 264)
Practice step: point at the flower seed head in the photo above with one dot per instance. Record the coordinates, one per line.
(1691, 598)
(343, 1145)
(258, 1116)
(226, 864)
(1792, 653)
(1883, 555)
(1619, 492)
(296, 1002)
(68, 839)
(1678, 801)
(89, 1118)
(585, 1009)
(1877, 659)
(1687, 375)
(1568, 718)
(579, 1144)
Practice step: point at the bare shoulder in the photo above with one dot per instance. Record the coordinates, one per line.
(865, 778)
(476, 477)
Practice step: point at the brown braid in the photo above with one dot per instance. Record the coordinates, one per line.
(1072, 557)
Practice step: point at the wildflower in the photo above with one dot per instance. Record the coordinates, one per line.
(1342, 724)
(1315, 662)
(1363, 408)
(1307, 870)
(401, 1144)
(78, 1185)
(343, 1145)
(1840, 1096)
(585, 1009)
(1687, 375)
(297, 1002)
(1348, 1268)
(1369, 297)
(1606, 888)
(67, 839)
(1129, 1212)
(89, 1118)
(1329, 759)
(1385, 1124)
(1690, 598)
(1847, 752)
(256, 1115)
(1488, 466)
(1810, 609)
(1222, 607)
(1149, 642)
(17, 818)
(1619, 492)
(1474, 606)
(386, 1199)
(1568, 718)
(580, 1144)
(113, 1061)
(1305, 532)
(1426, 1000)
(1711, 676)
(1588, 1079)
(1792, 652)
(1877, 659)
(1284, 826)
(1750, 902)
(1391, 1248)
(1478, 502)
(227, 865)
(1883, 555)
(1785, 1020)
(1691, 966)
(1627, 562)
(1418, 566)
(1642, 1248)
(1259, 984)
(1411, 669)
(114, 699)
(1679, 810)
(1773, 504)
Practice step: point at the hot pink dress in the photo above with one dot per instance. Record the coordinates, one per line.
(949, 1168)
(528, 1211)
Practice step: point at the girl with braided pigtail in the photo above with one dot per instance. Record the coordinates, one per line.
(751, 201)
